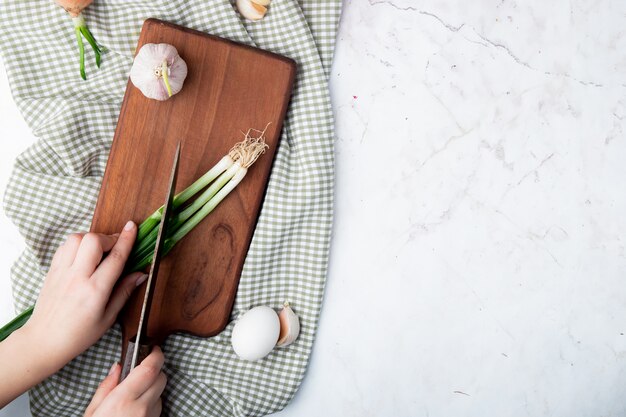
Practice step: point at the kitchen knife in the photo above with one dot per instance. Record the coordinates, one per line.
(140, 346)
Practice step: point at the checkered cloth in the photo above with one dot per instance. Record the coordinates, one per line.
(55, 183)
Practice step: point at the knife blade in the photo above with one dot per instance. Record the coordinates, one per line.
(141, 346)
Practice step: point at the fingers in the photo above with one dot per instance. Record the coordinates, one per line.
(65, 254)
(106, 386)
(153, 393)
(90, 252)
(121, 293)
(110, 269)
(144, 375)
(156, 409)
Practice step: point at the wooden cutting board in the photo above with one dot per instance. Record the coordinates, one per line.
(229, 89)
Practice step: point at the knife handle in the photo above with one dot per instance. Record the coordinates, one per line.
(144, 351)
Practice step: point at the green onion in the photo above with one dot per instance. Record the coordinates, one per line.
(16, 323)
(182, 228)
(155, 218)
(80, 30)
(146, 245)
(182, 223)
(221, 180)
(81, 51)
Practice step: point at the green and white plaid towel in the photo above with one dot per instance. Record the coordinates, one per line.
(55, 183)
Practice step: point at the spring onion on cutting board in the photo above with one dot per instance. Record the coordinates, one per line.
(221, 180)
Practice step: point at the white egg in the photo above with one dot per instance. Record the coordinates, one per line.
(255, 334)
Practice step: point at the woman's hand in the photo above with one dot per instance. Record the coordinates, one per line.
(80, 298)
(138, 395)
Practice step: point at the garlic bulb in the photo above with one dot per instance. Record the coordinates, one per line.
(158, 71)
(252, 9)
(289, 326)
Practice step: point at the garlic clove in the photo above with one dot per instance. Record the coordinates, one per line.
(177, 72)
(259, 7)
(261, 2)
(289, 326)
(250, 10)
(147, 71)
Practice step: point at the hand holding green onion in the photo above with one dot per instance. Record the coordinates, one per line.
(219, 181)
(78, 303)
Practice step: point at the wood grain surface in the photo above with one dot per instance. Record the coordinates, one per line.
(229, 88)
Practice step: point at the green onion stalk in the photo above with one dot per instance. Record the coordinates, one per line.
(75, 8)
(219, 181)
(81, 30)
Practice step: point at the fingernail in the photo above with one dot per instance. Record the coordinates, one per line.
(129, 226)
(113, 368)
(141, 280)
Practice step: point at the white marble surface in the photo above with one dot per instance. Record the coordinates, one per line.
(478, 258)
